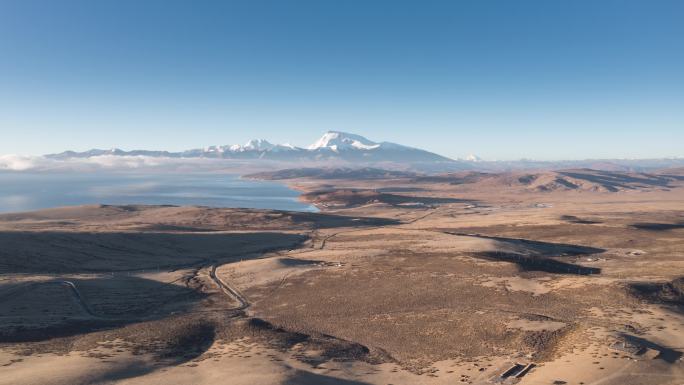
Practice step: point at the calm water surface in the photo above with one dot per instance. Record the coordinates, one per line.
(31, 191)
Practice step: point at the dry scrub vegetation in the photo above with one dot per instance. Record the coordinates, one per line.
(482, 271)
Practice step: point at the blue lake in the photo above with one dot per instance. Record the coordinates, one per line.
(24, 191)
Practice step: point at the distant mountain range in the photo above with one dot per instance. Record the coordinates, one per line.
(333, 145)
(340, 149)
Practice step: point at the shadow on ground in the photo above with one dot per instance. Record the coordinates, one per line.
(111, 295)
(613, 181)
(574, 219)
(326, 221)
(538, 247)
(170, 343)
(658, 226)
(666, 354)
(358, 197)
(670, 293)
(307, 378)
(39, 311)
(538, 263)
(539, 256)
(81, 252)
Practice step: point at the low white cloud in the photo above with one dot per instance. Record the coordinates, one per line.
(122, 163)
(22, 163)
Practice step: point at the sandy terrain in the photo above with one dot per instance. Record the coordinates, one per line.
(409, 280)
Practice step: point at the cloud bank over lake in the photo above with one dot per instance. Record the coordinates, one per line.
(14, 162)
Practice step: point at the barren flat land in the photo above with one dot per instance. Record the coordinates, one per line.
(568, 277)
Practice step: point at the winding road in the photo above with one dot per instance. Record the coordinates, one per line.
(228, 290)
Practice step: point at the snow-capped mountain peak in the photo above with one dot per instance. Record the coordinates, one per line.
(285, 147)
(258, 145)
(336, 140)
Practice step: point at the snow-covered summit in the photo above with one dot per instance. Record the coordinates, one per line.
(337, 140)
(258, 145)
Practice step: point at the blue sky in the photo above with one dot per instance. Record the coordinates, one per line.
(502, 79)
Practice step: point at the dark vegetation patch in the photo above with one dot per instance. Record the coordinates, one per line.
(545, 343)
(331, 348)
(196, 338)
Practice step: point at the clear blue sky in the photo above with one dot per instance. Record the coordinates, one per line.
(547, 79)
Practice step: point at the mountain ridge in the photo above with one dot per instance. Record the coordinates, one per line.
(333, 145)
